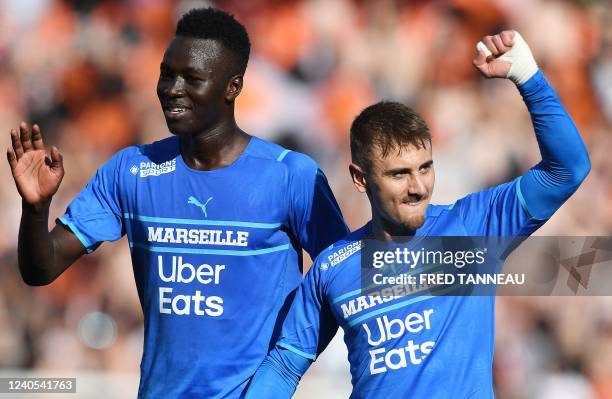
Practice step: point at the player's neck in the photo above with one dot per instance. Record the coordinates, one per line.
(215, 148)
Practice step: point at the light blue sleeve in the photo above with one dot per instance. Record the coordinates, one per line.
(496, 211)
(315, 218)
(95, 215)
(306, 332)
(310, 324)
(278, 376)
(520, 207)
(565, 160)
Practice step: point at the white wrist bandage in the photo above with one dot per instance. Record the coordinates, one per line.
(523, 65)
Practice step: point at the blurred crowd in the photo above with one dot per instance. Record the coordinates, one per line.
(86, 72)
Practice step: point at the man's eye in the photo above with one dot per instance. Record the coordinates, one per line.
(425, 169)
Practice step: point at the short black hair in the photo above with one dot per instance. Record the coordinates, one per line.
(214, 24)
(388, 125)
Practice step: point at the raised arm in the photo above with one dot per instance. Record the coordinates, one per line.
(42, 255)
(565, 160)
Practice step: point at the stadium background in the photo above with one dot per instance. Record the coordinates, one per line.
(86, 72)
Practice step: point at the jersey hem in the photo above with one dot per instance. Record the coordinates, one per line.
(88, 247)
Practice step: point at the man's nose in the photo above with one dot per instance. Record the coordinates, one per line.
(177, 87)
(416, 185)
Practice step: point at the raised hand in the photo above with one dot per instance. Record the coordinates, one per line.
(505, 55)
(37, 176)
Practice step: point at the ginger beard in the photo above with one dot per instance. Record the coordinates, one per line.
(399, 187)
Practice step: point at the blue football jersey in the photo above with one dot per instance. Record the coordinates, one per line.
(216, 255)
(413, 346)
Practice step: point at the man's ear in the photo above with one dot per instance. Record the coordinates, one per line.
(358, 176)
(234, 88)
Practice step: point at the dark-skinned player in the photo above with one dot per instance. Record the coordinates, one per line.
(216, 219)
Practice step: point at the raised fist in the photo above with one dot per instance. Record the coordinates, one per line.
(505, 55)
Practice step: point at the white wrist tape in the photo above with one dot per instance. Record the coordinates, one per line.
(523, 65)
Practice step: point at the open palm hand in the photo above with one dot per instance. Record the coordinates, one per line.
(37, 176)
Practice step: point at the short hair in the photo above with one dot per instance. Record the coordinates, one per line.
(214, 24)
(388, 125)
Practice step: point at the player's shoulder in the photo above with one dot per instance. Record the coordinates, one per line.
(126, 153)
(133, 158)
(342, 251)
(164, 148)
(157, 149)
(293, 161)
(435, 210)
(480, 200)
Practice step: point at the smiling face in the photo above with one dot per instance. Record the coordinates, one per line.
(391, 162)
(196, 88)
(399, 187)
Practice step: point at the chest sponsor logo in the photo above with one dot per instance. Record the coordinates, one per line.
(175, 271)
(179, 272)
(154, 169)
(340, 255)
(385, 355)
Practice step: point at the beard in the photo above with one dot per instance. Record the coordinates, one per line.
(414, 221)
(407, 226)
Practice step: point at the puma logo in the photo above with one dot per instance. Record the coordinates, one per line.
(194, 201)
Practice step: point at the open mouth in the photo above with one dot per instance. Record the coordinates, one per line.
(175, 111)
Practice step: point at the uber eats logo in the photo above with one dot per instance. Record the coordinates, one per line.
(180, 272)
(383, 359)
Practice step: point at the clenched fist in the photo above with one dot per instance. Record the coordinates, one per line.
(505, 55)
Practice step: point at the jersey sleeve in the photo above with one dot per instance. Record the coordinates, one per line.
(315, 218)
(518, 208)
(278, 375)
(565, 160)
(310, 325)
(497, 211)
(94, 215)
